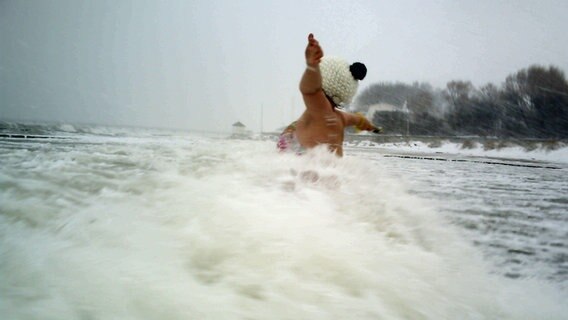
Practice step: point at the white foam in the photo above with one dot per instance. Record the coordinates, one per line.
(559, 155)
(67, 128)
(212, 229)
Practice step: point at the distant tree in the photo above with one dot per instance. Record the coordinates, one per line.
(417, 96)
(489, 93)
(487, 111)
(393, 122)
(532, 102)
(459, 91)
(458, 94)
(421, 102)
(537, 99)
(519, 111)
(424, 114)
(391, 93)
(427, 124)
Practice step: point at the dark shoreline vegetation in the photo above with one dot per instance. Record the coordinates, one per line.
(531, 103)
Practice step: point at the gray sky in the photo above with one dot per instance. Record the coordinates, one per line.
(206, 64)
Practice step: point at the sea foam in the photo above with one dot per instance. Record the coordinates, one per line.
(201, 228)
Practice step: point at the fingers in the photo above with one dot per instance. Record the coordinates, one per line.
(312, 41)
(314, 53)
(311, 38)
(318, 56)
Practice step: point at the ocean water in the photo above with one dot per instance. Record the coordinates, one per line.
(138, 224)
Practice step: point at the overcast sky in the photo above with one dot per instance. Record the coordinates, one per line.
(204, 65)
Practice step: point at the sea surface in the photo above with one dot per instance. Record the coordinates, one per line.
(124, 223)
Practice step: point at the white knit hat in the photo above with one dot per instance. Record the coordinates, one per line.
(339, 79)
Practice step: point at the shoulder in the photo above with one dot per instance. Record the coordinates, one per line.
(316, 102)
(350, 119)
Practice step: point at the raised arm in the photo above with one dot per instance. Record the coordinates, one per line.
(311, 80)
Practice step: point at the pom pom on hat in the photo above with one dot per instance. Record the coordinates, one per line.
(358, 70)
(339, 79)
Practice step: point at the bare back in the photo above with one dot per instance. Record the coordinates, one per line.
(321, 123)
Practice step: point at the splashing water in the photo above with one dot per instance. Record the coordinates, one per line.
(200, 228)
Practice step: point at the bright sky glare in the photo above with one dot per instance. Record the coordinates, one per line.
(204, 65)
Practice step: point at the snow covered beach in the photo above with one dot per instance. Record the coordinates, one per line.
(141, 224)
(543, 151)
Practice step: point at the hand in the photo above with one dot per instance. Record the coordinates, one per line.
(314, 53)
